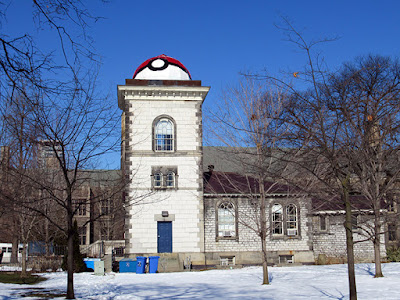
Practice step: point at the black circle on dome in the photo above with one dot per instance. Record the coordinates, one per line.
(151, 67)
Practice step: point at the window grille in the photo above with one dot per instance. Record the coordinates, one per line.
(226, 220)
(291, 219)
(164, 135)
(170, 180)
(158, 182)
(277, 220)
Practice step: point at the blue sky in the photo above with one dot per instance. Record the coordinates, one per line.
(216, 40)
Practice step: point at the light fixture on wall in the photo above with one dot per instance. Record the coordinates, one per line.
(164, 214)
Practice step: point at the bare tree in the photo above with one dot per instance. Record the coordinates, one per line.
(316, 131)
(18, 134)
(78, 130)
(247, 123)
(52, 82)
(366, 94)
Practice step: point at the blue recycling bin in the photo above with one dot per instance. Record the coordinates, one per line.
(127, 265)
(153, 264)
(89, 262)
(141, 264)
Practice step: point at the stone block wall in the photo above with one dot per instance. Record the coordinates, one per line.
(247, 240)
(332, 242)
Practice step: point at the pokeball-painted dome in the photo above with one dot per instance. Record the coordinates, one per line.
(162, 67)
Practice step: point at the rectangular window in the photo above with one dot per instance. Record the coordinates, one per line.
(82, 235)
(119, 251)
(80, 207)
(392, 232)
(277, 219)
(106, 207)
(322, 223)
(354, 222)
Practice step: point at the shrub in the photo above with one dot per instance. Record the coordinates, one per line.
(393, 254)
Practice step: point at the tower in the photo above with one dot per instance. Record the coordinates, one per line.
(162, 158)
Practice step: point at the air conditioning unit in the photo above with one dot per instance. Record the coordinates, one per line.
(227, 260)
(292, 232)
(227, 234)
(224, 261)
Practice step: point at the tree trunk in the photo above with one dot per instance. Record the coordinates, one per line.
(349, 244)
(14, 249)
(47, 241)
(70, 243)
(265, 260)
(377, 245)
(23, 260)
(263, 233)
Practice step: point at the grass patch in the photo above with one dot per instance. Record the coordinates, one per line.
(43, 294)
(15, 277)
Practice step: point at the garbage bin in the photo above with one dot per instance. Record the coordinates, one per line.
(141, 264)
(127, 265)
(89, 262)
(153, 264)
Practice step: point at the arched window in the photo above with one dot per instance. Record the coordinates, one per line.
(170, 180)
(158, 180)
(291, 219)
(164, 135)
(226, 220)
(277, 219)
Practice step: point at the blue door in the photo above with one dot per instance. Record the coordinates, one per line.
(164, 237)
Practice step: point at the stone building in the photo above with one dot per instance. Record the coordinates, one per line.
(189, 214)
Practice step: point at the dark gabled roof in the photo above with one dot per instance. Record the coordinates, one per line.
(233, 183)
(358, 202)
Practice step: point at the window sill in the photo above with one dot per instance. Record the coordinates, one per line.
(321, 232)
(164, 151)
(227, 238)
(285, 237)
(163, 188)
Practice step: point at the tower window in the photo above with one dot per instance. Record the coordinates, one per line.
(164, 177)
(164, 135)
(158, 182)
(170, 180)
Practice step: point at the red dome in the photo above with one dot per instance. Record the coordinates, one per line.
(154, 67)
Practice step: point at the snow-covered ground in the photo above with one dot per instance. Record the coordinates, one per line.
(302, 282)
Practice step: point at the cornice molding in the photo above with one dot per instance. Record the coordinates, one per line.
(161, 93)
